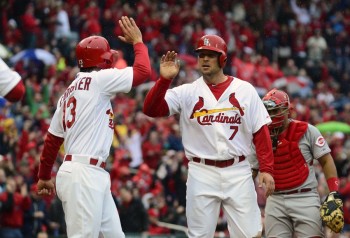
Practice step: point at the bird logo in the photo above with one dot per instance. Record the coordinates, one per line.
(197, 106)
(235, 103)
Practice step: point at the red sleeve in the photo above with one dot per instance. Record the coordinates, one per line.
(155, 104)
(142, 65)
(17, 93)
(264, 153)
(51, 146)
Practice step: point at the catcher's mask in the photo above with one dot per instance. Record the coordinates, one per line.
(278, 105)
(94, 51)
(214, 43)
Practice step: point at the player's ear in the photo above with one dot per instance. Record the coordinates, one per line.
(114, 57)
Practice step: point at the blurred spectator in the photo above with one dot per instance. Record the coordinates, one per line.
(316, 51)
(13, 36)
(134, 145)
(152, 149)
(55, 216)
(12, 219)
(62, 29)
(300, 10)
(42, 234)
(34, 218)
(290, 69)
(30, 27)
(133, 215)
(174, 139)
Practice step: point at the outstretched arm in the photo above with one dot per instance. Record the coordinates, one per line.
(132, 35)
(155, 104)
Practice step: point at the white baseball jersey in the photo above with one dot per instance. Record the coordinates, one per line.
(233, 132)
(8, 78)
(219, 130)
(84, 115)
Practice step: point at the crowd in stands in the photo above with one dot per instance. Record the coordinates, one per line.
(302, 47)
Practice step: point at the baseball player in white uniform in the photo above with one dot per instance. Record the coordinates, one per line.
(84, 122)
(220, 117)
(293, 209)
(11, 85)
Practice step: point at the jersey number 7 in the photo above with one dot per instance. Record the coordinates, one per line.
(234, 131)
(71, 104)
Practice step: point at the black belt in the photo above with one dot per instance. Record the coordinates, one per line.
(219, 163)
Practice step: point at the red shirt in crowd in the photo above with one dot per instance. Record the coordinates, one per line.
(14, 218)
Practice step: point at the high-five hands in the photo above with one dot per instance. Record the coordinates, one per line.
(169, 65)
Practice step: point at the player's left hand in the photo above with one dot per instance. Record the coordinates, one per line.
(268, 181)
(45, 187)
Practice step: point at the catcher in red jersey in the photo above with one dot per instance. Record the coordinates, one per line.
(220, 117)
(294, 207)
(83, 120)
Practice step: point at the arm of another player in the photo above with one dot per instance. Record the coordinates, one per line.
(155, 104)
(52, 145)
(132, 35)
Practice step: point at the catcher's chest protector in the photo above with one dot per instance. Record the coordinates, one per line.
(290, 167)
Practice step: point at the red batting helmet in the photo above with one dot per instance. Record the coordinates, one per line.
(214, 43)
(278, 105)
(94, 51)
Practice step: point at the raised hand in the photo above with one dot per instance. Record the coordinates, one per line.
(169, 65)
(131, 31)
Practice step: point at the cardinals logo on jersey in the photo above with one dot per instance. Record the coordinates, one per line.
(206, 117)
(235, 103)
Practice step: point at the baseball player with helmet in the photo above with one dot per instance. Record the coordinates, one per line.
(11, 85)
(220, 117)
(294, 207)
(84, 122)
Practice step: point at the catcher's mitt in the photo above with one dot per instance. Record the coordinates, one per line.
(331, 212)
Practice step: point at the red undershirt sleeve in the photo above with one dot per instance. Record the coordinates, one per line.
(142, 65)
(155, 104)
(52, 145)
(264, 152)
(16, 94)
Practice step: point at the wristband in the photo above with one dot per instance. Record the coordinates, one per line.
(333, 184)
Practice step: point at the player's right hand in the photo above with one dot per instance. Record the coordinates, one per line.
(131, 31)
(45, 187)
(169, 65)
(268, 181)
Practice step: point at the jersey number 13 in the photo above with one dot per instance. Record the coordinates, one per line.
(71, 106)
